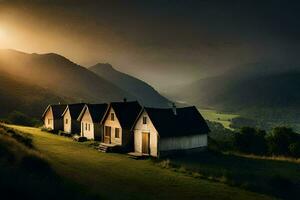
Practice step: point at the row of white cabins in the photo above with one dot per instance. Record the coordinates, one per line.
(142, 130)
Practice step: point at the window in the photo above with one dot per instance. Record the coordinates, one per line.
(66, 121)
(112, 116)
(89, 127)
(144, 120)
(117, 133)
(86, 126)
(48, 121)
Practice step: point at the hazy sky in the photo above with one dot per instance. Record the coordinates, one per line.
(163, 42)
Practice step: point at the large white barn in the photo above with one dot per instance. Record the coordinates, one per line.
(161, 131)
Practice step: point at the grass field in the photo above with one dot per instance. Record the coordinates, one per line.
(280, 177)
(215, 116)
(116, 176)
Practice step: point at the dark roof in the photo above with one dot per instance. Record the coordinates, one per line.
(75, 110)
(57, 110)
(97, 111)
(187, 121)
(126, 112)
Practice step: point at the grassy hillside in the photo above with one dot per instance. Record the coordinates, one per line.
(215, 116)
(17, 94)
(138, 88)
(115, 176)
(25, 174)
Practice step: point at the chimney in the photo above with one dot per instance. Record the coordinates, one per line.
(174, 109)
(125, 100)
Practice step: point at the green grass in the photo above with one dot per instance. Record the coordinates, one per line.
(278, 177)
(215, 116)
(116, 176)
(25, 174)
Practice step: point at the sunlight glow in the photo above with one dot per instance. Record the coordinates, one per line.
(2, 34)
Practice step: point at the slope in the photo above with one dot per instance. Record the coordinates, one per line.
(114, 176)
(143, 92)
(59, 75)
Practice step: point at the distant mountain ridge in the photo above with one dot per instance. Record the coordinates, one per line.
(60, 75)
(257, 89)
(52, 78)
(143, 92)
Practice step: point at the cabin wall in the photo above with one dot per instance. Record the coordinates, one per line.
(48, 119)
(67, 120)
(183, 143)
(87, 126)
(114, 124)
(145, 128)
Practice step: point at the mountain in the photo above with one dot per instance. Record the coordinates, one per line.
(19, 95)
(60, 76)
(143, 92)
(256, 91)
(40, 79)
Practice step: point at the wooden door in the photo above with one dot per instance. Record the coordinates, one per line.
(107, 134)
(145, 143)
(82, 129)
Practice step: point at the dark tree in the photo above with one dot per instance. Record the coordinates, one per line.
(250, 140)
(280, 139)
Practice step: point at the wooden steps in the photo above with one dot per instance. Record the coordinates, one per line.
(102, 148)
(106, 148)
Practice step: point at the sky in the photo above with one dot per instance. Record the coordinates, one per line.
(165, 43)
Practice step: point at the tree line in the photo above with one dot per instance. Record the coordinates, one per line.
(279, 141)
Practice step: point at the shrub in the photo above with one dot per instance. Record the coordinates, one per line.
(61, 133)
(294, 149)
(280, 139)
(79, 138)
(49, 130)
(165, 164)
(220, 138)
(68, 135)
(250, 140)
(20, 137)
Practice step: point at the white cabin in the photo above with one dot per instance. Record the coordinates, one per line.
(52, 117)
(118, 122)
(162, 131)
(70, 116)
(90, 121)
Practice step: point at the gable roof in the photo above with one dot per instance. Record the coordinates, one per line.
(57, 110)
(126, 112)
(187, 121)
(97, 111)
(75, 110)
